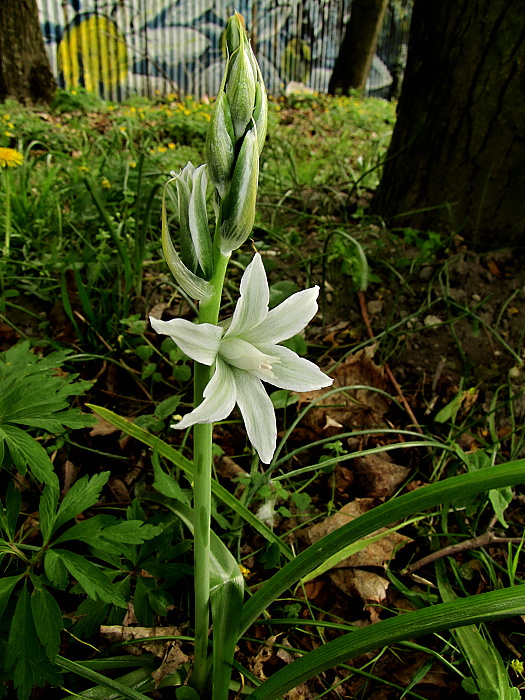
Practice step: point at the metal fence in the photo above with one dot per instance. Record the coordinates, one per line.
(117, 48)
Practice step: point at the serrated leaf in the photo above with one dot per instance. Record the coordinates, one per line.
(24, 655)
(26, 452)
(48, 621)
(82, 495)
(94, 582)
(55, 569)
(47, 511)
(6, 588)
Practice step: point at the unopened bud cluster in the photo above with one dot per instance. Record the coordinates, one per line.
(236, 137)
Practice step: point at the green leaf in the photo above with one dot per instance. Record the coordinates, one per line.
(167, 407)
(48, 621)
(55, 569)
(47, 511)
(109, 534)
(26, 452)
(166, 484)
(226, 596)
(118, 688)
(82, 495)
(180, 461)
(436, 618)
(384, 515)
(13, 503)
(24, 655)
(490, 675)
(94, 582)
(6, 588)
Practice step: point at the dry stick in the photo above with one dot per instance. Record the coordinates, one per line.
(393, 380)
(482, 541)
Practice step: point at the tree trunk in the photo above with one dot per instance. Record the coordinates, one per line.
(457, 157)
(25, 74)
(358, 47)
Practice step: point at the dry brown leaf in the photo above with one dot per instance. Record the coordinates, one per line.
(70, 476)
(380, 475)
(376, 554)
(102, 427)
(228, 468)
(119, 633)
(353, 408)
(368, 586)
(171, 662)
(119, 490)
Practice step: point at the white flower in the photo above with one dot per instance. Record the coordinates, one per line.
(245, 351)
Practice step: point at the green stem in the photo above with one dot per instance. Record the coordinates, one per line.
(7, 219)
(202, 459)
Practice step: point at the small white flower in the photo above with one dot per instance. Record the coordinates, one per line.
(245, 351)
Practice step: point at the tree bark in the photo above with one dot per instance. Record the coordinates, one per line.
(25, 74)
(456, 162)
(357, 50)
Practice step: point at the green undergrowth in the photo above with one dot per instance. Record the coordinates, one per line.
(94, 511)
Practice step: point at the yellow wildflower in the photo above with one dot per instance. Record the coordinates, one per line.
(162, 149)
(132, 164)
(8, 134)
(10, 158)
(83, 169)
(106, 183)
(171, 146)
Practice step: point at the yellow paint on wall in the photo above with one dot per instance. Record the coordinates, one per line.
(93, 53)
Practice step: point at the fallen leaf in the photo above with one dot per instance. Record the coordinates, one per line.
(120, 633)
(353, 408)
(102, 427)
(172, 661)
(379, 475)
(370, 587)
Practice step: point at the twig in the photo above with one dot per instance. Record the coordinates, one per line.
(484, 540)
(393, 380)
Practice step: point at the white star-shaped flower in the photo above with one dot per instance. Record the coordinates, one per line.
(245, 352)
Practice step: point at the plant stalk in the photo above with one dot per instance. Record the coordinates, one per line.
(202, 458)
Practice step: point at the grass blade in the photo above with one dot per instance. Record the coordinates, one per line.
(437, 618)
(456, 487)
(122, 690)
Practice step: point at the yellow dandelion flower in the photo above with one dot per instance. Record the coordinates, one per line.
(171, 146)
(132, 164)
(10, 158)
(10, 125)
(162, 149)
(6, 117)
(106, 183)
(83, 169)
(122, 129)
(8, 133)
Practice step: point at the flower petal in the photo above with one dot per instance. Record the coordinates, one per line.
(287, 319)
(219, 399)
(293, 372)
(252, 306)
(200, 341)
(258, 413)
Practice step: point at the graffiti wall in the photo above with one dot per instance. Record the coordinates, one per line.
(151, 47)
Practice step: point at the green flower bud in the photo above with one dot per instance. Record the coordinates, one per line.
(240, 90)
(220, 145)
(234, 32)
(195, 239)
(238, 210)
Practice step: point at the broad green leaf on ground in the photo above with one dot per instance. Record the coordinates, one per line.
(82, 495)
(94, 582)
(490, 678)
(48, 621)
(499, 498)
(25, 657)
(26, 452)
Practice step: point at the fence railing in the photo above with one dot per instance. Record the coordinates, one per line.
(117, 48)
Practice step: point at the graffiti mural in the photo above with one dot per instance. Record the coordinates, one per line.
(149, 47)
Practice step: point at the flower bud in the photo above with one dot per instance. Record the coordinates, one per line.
(240, 89)
(220, 145)
(238, 209)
